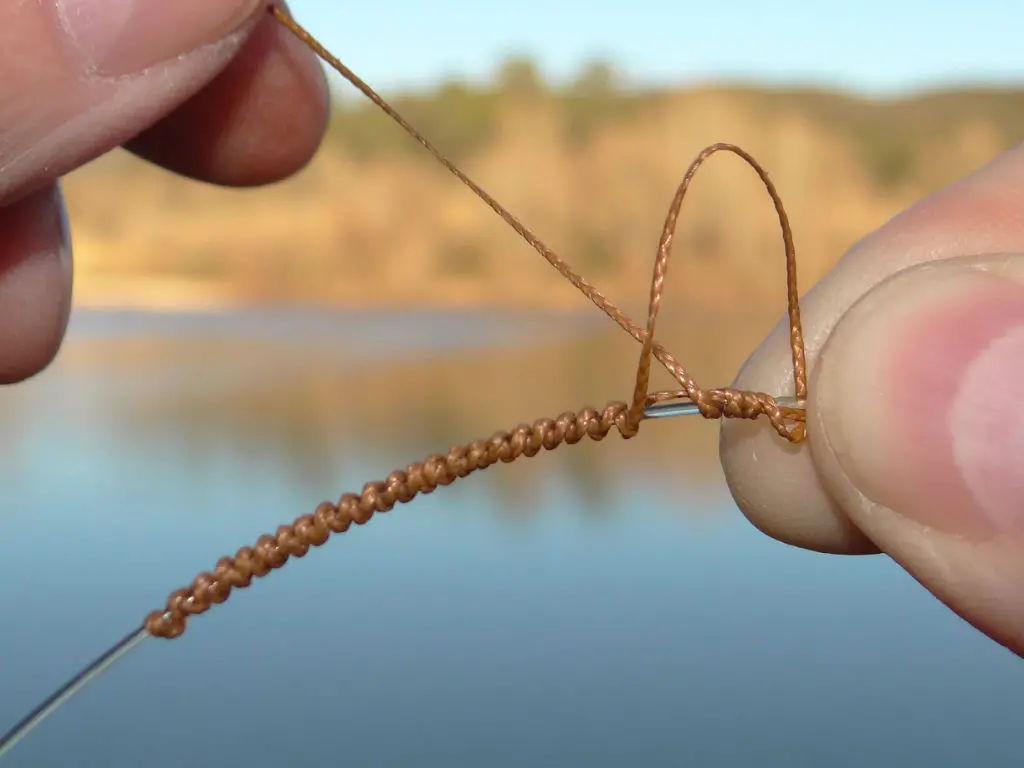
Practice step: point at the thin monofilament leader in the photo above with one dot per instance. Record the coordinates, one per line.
(63, 694)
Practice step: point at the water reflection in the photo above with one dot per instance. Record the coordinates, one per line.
(604, 605)
(296, 402)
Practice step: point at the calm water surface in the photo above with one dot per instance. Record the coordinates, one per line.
(604, 605)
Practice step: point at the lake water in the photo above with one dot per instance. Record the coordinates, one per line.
(602, 605)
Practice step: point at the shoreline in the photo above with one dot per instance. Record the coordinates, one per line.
(203, 296)
(176, 295)
(184, 297)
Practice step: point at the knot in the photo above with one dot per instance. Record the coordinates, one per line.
(272, 552)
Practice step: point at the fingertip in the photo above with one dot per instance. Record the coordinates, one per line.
(917, 425)
(35, 283)
(775, 483)
(776, 487)
(915, 403)
(261, 120)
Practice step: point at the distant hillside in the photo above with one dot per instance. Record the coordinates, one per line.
(884, 132)
(375, 221)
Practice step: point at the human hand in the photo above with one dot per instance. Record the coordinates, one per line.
(916, 413)
(212, 89)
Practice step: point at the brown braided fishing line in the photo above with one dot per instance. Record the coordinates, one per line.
(295, 540)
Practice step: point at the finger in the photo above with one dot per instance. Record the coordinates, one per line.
(918, 431)
(35, 283)
(83, 76)
(915, 426)
(260, 120)
(777, 485)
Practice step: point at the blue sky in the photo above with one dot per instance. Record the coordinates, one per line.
(871, 46)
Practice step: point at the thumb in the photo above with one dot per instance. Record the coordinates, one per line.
(83, 76)
(80, 78)
(916, 429)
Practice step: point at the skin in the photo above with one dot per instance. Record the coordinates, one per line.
(248, 106)
(915, 340)
(915, 425)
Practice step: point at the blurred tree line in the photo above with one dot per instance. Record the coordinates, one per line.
(462, 118)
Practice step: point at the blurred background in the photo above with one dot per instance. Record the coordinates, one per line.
(235, 357)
